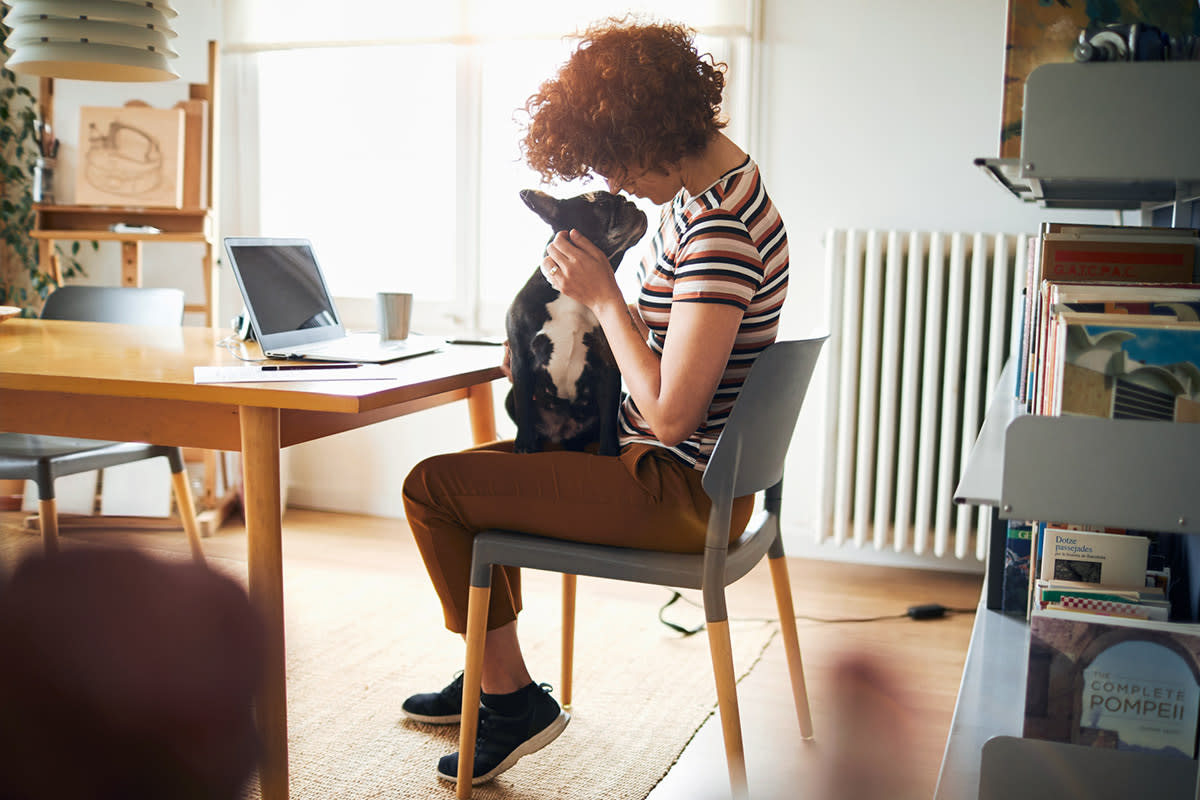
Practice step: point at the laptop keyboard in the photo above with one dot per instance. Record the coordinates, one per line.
(364, 346)
(354, 343)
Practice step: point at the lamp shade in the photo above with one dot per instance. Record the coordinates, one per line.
(91, 40)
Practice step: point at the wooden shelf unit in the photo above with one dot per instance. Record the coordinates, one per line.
(192, 223)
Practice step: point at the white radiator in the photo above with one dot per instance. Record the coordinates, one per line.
(921, 325)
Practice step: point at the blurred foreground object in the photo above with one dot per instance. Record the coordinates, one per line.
(871, 705)
(125, 677)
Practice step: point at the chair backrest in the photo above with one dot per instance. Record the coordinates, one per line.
(751, 448)
(124, 304)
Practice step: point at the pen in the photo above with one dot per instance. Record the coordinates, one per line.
(280, 367)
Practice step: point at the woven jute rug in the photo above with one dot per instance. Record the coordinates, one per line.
(359, 642)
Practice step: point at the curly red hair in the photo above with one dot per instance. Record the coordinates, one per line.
(632, 96)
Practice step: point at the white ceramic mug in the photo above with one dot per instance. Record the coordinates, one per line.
(393, 314)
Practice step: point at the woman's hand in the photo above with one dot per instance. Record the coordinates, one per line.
(581, 271)
(506, 363)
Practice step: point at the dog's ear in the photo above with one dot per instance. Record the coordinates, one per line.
(542, 204)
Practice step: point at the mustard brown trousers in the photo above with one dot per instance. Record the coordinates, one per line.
(643, 498)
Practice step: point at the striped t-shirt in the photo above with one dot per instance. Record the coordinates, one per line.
(727, 245)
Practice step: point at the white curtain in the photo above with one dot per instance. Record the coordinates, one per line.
(240, 139)
(270, 24)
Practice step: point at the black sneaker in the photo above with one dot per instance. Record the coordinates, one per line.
(502, 740)
(437, 708)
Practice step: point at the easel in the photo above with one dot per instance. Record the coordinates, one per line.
(195, 222)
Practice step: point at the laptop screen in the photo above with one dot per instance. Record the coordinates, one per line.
(282, 286)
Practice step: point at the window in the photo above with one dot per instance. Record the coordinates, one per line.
(361, 158)
(401, 162)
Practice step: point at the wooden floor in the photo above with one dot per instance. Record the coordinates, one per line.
(882, 692)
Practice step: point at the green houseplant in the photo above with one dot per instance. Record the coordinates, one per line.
(22, 282)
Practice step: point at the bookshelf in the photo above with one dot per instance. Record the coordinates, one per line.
(1096, 136)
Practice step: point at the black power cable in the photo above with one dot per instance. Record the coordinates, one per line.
(926, 611)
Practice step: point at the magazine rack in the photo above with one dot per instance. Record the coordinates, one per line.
(1085, 134)
(1032, 770)
(1100, 471)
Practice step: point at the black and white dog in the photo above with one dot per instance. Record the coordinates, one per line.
(566, 386)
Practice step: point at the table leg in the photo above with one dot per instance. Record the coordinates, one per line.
(131, 263)
(483, 413)
(260, 469)
(46, 261)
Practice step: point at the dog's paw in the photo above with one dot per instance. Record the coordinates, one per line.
(525, 444)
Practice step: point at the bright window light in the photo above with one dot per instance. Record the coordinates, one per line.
(364, 164)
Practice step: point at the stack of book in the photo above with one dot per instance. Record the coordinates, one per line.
(1110, 327)
(1103, 571)
(1093, 572)
(1111, 323)
(1106, 667)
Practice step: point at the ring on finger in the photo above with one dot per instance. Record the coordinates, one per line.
(554, 269)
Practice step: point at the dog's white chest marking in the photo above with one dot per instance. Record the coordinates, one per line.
(569, 320)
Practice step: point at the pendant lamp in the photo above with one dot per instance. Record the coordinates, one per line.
(91, 40)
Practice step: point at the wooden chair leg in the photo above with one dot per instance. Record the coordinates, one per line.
(727, 704)
(477, 611)
(187, 513)
(48, 522)
(568, 637)
(791, 642)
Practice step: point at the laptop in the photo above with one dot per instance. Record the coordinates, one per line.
(292, 312)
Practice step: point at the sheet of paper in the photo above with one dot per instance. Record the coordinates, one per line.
(255, 374)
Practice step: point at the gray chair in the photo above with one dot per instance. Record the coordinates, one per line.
(42, 459)
(748, 458)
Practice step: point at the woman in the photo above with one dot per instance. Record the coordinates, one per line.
(637, 106)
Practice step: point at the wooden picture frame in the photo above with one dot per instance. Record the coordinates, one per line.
(130, 156)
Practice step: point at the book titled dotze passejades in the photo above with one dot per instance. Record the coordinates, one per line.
(1110, 559)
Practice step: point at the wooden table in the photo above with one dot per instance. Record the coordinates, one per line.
(133, 383)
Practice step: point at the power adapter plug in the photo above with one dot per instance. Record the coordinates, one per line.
(927, 611)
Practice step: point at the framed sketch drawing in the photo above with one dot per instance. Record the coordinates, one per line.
(130, 156)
